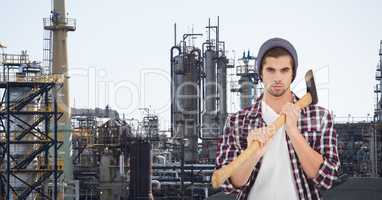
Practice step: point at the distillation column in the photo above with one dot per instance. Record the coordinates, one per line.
(375, 143)
(215, 92)
(185, 103)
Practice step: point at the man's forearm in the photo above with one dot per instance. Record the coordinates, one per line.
(310, 159)
(241, 176)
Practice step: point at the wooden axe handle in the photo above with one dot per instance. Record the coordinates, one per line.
(222, 174)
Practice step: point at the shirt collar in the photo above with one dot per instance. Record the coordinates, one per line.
(257, 108)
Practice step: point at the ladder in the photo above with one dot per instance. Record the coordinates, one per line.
(47, 52)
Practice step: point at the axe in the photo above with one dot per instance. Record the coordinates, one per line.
(222, 174)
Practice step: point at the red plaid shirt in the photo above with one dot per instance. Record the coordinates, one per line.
(315, 124)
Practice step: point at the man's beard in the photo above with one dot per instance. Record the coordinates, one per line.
(276, 94)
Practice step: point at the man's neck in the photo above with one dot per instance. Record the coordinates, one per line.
(276, 103)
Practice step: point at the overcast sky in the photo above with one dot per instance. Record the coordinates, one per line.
(119, 54)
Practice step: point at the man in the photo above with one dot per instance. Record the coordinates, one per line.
(301, 157)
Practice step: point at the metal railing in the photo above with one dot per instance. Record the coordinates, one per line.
(245, 69)
(53, 23)
(14, 59)
(13, 77)
(342, 119)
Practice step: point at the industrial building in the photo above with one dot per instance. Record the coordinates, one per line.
(51, 151)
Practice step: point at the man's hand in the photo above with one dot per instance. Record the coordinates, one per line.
(292, 113)
(258, 134)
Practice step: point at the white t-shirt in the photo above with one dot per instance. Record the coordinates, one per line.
(274, 180)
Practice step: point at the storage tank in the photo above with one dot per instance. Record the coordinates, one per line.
(140, 171)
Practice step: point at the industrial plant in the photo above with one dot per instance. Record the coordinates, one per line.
(52, 151)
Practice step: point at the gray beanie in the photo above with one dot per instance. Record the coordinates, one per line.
(273, 43)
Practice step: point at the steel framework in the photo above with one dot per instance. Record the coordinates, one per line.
(37, 136)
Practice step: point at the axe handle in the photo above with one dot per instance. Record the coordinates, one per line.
(222, 174)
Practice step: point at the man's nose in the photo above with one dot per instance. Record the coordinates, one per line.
(277, 77)
(276, 80)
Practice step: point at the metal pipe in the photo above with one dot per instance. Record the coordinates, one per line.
(202, 80)
(200, 84)
(185, 36)
(172, 86)
(182, 169)
(222, 92)
(8, 145)
(209, 32)
(199, 63)
(185, 166)
(174, 34)
(217, 39)
(55, 189)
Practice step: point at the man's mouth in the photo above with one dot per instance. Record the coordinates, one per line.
(277, 86)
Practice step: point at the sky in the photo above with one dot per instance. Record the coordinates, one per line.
(119, 53)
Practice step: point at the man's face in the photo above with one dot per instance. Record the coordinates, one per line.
(277, 75)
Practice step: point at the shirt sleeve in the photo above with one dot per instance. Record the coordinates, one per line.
(328, 171)
(228, 149)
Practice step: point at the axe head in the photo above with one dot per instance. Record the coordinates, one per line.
(311, 86)
(2, 45)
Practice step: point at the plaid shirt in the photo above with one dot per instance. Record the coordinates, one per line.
(315, 124)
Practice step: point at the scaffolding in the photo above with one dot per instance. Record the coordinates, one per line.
(85, 159)
(29, 166)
